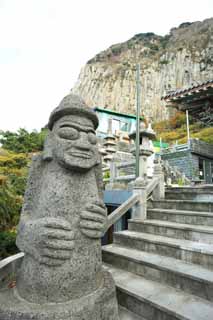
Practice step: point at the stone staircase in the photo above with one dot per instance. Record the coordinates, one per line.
(163, 267)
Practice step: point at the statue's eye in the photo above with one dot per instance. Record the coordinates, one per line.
(92, 138)
(68, 133)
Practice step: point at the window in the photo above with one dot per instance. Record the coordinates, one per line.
(123, 126)
(119, 125)
(115, 125)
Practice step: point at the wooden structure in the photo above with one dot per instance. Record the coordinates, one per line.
(198, 100)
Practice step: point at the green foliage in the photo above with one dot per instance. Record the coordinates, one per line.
(144, 36)
(13, 176)
(181, 182)
(205, 134)
(154, 47)
(22, 141)
(168, 125)
(184, 25)
(116, 50)
(165, 40)
(174, 129)
(14, 162)
(106, 175)
(10, 206)
(164, 62)
(7, 244)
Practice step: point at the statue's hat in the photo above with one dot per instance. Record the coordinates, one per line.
(72, 105)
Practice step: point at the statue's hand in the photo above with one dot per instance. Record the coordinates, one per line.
(94, 220)
(50, 240)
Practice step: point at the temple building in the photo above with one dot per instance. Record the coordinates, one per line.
(198, 100)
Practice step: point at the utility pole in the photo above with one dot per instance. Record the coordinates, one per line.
(137, 120)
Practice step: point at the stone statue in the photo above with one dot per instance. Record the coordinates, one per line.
(62, 221)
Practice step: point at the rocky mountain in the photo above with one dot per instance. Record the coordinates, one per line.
(179, 59)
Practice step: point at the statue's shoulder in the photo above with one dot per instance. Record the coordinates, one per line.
(36, 165)
(34, 183)
(37, 160)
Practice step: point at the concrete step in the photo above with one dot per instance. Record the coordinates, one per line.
(182, 205)
(173, 230)
(125, 314)
(190, 278)
(202, 193)
(156, 301)
(181, 216)
(189, 251)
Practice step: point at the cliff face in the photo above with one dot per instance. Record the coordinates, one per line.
(180, 59)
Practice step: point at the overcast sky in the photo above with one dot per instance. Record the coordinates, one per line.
(44, 44)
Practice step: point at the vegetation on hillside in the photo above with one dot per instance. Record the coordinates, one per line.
(174, 130)
(15, 154)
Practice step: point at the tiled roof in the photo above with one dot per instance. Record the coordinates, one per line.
(184, 92)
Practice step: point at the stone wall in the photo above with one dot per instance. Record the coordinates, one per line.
(186, 162)
(202, 148)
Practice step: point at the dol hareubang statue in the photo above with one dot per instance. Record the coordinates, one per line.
(62, 220)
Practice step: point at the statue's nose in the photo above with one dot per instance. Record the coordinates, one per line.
(83, 142)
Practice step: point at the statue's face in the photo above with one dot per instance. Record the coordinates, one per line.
(75, 143)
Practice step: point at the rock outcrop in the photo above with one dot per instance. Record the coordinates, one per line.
(179, 59)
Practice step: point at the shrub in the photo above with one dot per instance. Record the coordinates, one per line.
(10, 206)
(7, 244)
(13, 177)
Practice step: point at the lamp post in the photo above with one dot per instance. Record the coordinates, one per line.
(137, 142)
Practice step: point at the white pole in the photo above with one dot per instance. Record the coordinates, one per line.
(160, 144)
(187, 126)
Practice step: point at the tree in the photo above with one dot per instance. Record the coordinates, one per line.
(22, 140)
(14, 162)
(13, 176)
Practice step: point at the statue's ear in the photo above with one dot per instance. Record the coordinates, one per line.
(99, 177)
(47, 152)
(99, 160)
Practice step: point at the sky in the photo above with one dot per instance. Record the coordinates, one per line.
(45, 43)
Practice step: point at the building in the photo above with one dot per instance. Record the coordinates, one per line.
(114, 130)
(116, 121)
(195, 158)
(198, 100)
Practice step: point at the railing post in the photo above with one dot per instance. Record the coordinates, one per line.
(113, 171)
(139, 210)
(159, 191)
